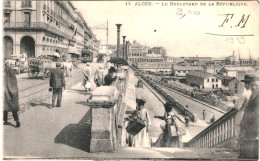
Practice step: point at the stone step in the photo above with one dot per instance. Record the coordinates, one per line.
(167, 153)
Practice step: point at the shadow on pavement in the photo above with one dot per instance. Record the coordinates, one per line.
(40, 104)
(81, 91)
(77, 135)
(82, 102)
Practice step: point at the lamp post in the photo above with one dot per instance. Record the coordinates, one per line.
(126, 50)
(124, 46)
(118, 38)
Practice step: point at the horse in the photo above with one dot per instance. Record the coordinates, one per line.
(68, 68)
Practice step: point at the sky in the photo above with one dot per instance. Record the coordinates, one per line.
(181, 30)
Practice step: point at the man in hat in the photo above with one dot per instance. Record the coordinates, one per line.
(110, 77)
(57, 82)
(248, 140)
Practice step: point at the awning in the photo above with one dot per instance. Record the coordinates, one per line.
(54, 54)
(73, 50)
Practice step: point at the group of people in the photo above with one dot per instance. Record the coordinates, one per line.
(142, 138)
(99, 77)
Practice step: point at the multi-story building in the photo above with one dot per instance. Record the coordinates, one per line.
(236, 71)
(249, 62)
(158, 67)
(203, 80)
(41, 28)
(158, 50)
(139, 53)
(135, 52)
(182, 71)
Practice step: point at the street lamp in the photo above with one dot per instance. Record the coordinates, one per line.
(124, 46)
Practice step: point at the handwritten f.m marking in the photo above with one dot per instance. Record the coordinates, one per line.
(241, 23)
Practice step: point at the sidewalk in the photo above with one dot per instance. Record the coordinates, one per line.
(64, 133)
(58, 132)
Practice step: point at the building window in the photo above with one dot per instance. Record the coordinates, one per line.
(7, 18)
(216, 85)
(26, 3)
(43, 39)
(216, 80)
(212, 79)
(7, 3)
(208, 80)
(27, 18)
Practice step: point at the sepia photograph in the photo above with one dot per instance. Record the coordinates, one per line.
(128, 80)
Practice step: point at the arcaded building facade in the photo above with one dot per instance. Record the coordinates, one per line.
(42, 27)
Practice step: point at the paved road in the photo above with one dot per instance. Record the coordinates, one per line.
(194, 107)
(34, 91)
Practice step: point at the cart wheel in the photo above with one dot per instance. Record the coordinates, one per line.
(36, 74)
(46, 74)
(30, 73)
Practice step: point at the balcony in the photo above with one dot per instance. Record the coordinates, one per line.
(36, 25)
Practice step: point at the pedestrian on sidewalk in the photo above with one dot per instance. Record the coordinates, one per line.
(57, 82)
(204, 114)
(110, 77)
(87, 71)
(212, 120)
(11, 102)
(99, 76)
(187, 120)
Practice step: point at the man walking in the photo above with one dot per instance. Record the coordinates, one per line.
(57, 82)
(11, 102)
(204, 114)
(99, 76)
(86, 76)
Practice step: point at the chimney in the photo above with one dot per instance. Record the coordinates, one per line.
(118, 38)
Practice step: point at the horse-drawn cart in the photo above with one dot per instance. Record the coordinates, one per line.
(38, 66)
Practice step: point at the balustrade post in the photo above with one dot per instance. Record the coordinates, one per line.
(232, 127)
(103, 103)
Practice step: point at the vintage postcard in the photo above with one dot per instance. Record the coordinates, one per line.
(130, 79)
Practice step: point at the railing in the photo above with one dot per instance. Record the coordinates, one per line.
(222, 130)
(177, 105)
(40, 25)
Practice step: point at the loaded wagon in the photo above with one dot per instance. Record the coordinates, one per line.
(40, 66)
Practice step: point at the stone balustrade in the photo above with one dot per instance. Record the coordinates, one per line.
(108, 111)
(221, 132)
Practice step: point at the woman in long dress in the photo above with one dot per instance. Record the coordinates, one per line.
(142, 139)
